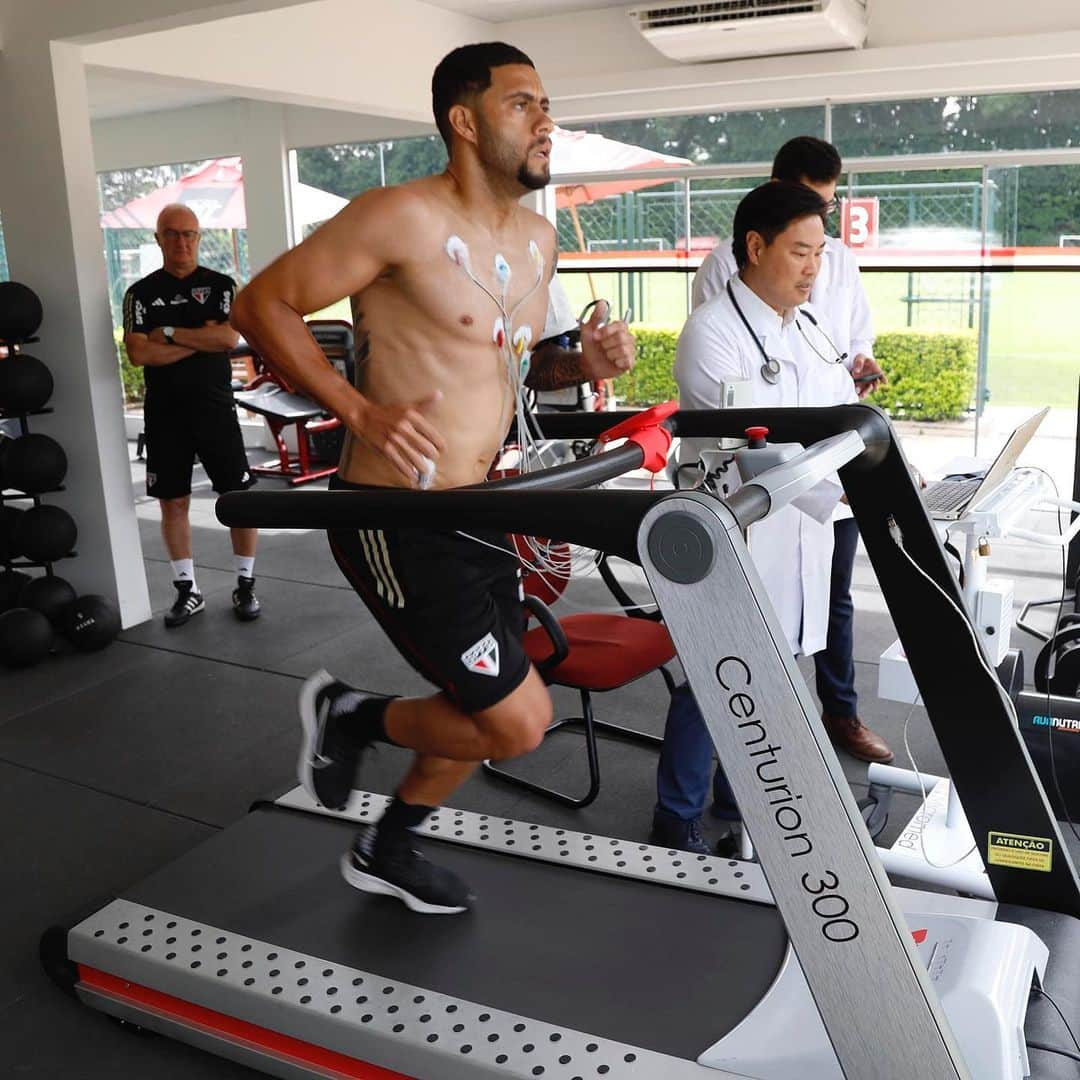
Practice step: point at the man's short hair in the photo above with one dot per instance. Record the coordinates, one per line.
(769, 210)
(807, 158)
(465, 73)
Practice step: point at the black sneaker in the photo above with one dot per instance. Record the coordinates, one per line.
(328, 758)
(402, 872)
(245, 603)
(188, 603)
(669, 832)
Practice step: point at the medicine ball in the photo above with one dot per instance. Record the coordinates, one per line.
(20, 311)
(45, 533)
(25, 637)
(12, 583)
(9, 516)
(33, 463)
(90, 622)
(26, 384)
(49, 594)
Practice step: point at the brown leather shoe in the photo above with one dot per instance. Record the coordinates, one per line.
(851, 734)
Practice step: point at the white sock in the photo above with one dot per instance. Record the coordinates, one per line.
(184, 570)
(245, 565)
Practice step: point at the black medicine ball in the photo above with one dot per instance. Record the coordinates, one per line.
(12, 583)
(26, 384)
(49, 594)
(33, 463)
(45, 533)
(90, 622)
(25, 637)
(20, 311)
(9, 517)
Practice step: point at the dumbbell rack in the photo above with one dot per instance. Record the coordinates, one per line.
(20, 562)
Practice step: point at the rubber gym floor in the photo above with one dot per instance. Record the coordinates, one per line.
(114, 763)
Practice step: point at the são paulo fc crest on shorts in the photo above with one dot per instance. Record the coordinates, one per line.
(483, 657)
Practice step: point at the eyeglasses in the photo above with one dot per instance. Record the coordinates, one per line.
(190, 235)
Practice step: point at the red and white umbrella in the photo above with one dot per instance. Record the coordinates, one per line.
(577, 152)
(215, 194)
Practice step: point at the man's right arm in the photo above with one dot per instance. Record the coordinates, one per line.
(369, 237)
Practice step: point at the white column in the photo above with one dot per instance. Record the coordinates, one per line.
(48, 195)
(266, 183)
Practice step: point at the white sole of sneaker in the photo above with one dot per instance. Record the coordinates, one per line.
(309, 723)
(370, 884)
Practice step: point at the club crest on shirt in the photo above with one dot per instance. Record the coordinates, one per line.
(201, 293)
(483, 657)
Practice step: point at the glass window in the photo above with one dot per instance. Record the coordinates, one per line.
(1041, 120)
(348, 169)
(131, 251)
(718, 137)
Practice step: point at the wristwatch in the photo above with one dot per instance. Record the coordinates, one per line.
(167, 332)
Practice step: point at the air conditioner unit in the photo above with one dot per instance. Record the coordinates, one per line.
(729, 29)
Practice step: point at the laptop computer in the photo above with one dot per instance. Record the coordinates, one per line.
(948, 500)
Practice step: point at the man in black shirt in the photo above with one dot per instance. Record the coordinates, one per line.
(176, 326)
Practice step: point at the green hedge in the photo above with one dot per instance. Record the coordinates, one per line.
(651, 380)
(931, 376)
(132, 376)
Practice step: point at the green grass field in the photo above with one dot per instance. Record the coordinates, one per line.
(1034, 358)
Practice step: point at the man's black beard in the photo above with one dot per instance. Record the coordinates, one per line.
(533, 181)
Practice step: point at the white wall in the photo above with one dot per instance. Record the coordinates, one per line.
(206, 131)
(362, 55)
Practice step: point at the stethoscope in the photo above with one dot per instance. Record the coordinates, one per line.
(770, 369)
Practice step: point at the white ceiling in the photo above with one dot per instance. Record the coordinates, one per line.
(122, 93)
(497, 11)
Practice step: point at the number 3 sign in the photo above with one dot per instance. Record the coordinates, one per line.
(859, 222)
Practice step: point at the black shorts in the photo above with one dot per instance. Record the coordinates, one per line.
(452, 606)
(175, 437)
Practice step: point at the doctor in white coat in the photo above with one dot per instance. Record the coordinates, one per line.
(760, 330)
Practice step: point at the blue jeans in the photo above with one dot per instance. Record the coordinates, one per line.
(686, 760)
(686, 757)
(834, 666)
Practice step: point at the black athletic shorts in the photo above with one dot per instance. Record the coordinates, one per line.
(175, 437)
(452, 606)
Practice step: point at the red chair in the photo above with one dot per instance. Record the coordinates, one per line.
(591, 652)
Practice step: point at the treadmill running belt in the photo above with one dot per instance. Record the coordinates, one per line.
(662, 968)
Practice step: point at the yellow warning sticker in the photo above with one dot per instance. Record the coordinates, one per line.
(1020, 852)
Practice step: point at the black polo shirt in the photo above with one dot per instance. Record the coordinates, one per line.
(160, 299)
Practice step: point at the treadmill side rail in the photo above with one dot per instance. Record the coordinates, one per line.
(363, 1016)
(835, 900)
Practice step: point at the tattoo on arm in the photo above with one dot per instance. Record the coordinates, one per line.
(554, 368)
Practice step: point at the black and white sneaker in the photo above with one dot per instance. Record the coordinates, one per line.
(402, 872)
(245, 603)
(188, 603)
(328, 757)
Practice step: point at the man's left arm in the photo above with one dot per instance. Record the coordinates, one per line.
(607, 350)
(210, 337)
(215, 334)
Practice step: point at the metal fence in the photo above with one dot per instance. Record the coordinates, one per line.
(929, 214)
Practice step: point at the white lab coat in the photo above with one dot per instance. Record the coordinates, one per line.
(838, 292)
(792, 549)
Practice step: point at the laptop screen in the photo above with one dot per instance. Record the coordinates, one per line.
(1010, 452)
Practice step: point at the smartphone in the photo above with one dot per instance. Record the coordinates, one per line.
(868, 378)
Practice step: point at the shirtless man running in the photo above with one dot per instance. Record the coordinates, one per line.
(449, 279)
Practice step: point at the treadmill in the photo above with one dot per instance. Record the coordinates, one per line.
(590, 956)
